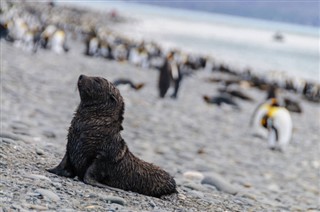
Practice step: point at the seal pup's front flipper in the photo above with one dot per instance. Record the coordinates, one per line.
(64, 168)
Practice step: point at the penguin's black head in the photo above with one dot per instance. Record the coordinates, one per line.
(274, 102)
(206, 98)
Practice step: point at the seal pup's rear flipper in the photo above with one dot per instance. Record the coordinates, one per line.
(64, 168)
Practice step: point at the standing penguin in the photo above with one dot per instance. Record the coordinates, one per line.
(92, 46)
(58, 42)
(277, 121)
(169, 73)
(3, 30)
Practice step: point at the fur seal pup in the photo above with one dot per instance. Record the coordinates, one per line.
(220, 100)
(292, 105)
(236, 93)
(97, 153)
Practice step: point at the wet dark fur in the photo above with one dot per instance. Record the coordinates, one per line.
(96, 152)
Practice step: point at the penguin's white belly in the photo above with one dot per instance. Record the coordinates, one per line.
(57, 42)
(258, 129)
(93, 46)
(283, 124)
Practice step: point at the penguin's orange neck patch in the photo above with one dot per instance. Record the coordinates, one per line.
(272, 111)
(60, 33)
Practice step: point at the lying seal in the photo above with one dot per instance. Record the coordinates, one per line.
(97, 153)
(123, 81)
(220, 100)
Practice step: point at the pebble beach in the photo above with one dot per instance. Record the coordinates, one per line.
(216, 161)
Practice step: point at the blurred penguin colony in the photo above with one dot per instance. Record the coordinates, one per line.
(36, 27)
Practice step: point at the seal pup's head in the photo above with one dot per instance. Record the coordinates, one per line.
(100, 95)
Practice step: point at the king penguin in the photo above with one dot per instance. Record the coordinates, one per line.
(276, 122)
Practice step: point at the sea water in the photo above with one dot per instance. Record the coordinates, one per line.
(239, 42)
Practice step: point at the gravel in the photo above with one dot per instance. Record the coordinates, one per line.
(39, 97)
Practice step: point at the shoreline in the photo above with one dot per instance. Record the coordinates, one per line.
(145, 26)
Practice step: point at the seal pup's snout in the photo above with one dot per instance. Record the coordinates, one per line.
(81, 77)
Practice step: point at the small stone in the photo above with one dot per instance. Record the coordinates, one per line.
(210, 187)
(220, 183)
(35, 207)
(33, 194)
(37, 139)
(297, 208)
(21, 132)
(193, 175)
(273, 187)
(201, 151)
(267, 176)
(57, 185)
(192, 185)
(93, 207)
(8, 140)
(312, 209)
(114, 199)
(181, 196)
(49, 194)
(3, 157)
(19, 125)
(246, 195)
(3, 163)
(151, 203)
(315, 164)
(49, 134)
(10, 136)
(197, 194)
(246, 185)
(16, 206)
(38, 177)
(39, 151)
(91, 195)
(67, 210)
